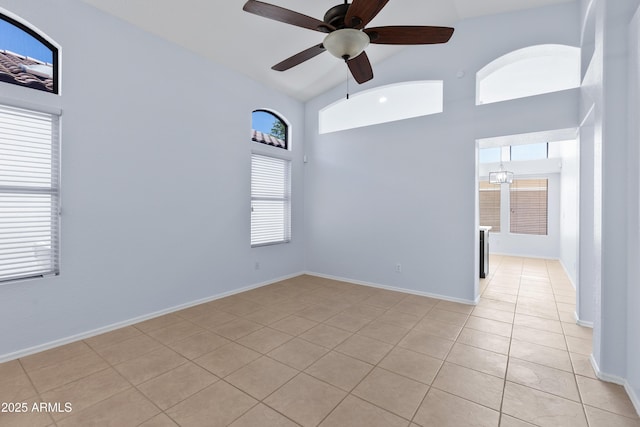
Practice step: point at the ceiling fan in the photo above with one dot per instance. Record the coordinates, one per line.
(347, 36)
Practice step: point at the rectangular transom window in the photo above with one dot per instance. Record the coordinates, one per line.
(270, 200)
(528, 206)
(490, 205)
(29, 193)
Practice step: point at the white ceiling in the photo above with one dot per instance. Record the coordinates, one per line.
(222, 31)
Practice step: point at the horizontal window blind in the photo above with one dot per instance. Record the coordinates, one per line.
(29, 193)
(270, 200)
(490, 205)
(528, 206)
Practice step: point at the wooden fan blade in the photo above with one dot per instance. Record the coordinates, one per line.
(361, 68)
(409, 34)
(287, 16)
(361, 12)
(299, 58)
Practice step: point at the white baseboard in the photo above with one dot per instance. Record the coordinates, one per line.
(91, 333)
(394, 288)
(584, 323)
(635, 400)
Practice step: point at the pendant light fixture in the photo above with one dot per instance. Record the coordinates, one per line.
(501, 177)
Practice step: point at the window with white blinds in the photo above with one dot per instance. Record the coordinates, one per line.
(528, 206)
(29, 193)
(490, 205)
(270, 200)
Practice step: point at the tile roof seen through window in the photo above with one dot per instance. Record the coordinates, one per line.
(265, 138)
(25, 71)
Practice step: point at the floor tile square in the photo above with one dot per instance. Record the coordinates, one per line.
(355, 412)
(410, 364)
(261, 377)
(437, 328)
(326, 336)
(446, 410)
(305, 400)
(543, 378)
(87, 391)
(263, 416)
(150, 365)
(339, 370)
(236, 329)
(227, 359)
(128, 408)
(484, 340)
(298, 353)
(217, 405)
(607, 396)
(600, 418)
(363, 348)
(476, 386)
(478, 359)
(293, 325)
(541, 354)
(393, 392)
(176, 385)
(382, 331)
(198, 344)
(426, 344)
(264, 340)
(541, 408)
(347, 322)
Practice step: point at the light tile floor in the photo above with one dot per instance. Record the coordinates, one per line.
(310, 351)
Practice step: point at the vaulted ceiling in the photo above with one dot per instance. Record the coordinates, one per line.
(223, 32)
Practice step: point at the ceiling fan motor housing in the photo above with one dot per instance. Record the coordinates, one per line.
(335, 15)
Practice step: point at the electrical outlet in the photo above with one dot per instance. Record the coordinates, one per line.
(398, 268)
(256, 266)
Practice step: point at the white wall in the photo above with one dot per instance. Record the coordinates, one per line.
(608, 145)
(569, 201)
(155, 182)
(633, 296)
(405, 192)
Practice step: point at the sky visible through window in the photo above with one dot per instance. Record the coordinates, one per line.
(263, 121)
(18, 41)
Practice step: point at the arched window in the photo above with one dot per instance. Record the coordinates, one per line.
(270, 181)
(268, 128)
(26, 57)
(529, 71)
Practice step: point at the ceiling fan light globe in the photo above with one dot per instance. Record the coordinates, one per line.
(346, 43)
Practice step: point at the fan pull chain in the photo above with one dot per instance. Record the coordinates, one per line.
(347, 80)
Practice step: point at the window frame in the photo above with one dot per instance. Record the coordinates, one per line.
(513, 189)
(54, 51)
(278, 118)
(286, 198)
(29, 189)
